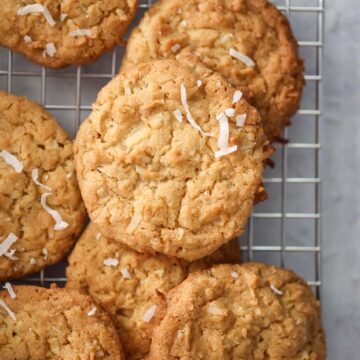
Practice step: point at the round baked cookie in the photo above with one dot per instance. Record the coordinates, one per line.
(41, 211)
(158, 171)
(250, 311)
(58, 33)
(54, 324)
(127, 284)
(249, 42)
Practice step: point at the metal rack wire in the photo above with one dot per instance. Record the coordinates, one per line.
(285, 230)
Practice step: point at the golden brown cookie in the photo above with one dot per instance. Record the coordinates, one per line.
(41, 210)
(243, 312)
(54, 324)
(127, 284)
(249, 42)
(58, 33)
(170, 159)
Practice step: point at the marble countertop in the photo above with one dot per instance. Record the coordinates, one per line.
(340, 174)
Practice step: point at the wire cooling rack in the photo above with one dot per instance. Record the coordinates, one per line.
(284, 230)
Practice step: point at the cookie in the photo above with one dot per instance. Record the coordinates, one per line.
(170, 159)
(249, 42)
(39, 323)
(58, 33)
(126, 283)
(251, 311)
(41, 210)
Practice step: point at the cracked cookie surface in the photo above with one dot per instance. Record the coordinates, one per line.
(244, 312)
(130, 287)
(43, 154)
(213, 28)
(154, 182)
(67, 32)
(54, 324)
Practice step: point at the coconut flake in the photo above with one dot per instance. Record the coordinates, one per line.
(198, 83)
(11, 160)
(150, 313)
(63, 16)
(240, 120)
(135, 222)
(223, 140)
(10, 254)
(227, 151)
(276, 290)
(98, 236)
(125, 273)
(111, 262)
(241, 57)
(175, 48)
(35, 177)
(11, 314)
(80, 32)
(7, 243)
(50, 49)
(27, 39)
(178, 115)
(187, 110)
(237, 96)
(33, 261)
(45, 252)
(234, 274)
(230, 112)
(60, 224)
(10, 290)
(37, 8)
(127, 89)
(214, 310)
(92, 311)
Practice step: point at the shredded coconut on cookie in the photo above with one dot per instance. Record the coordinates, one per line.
(37, 8)
(35, 177)
(240, 120)
(111, 262)
(237, 96)
(80, 32)
(189, 117)
(241, 57)
(7, 309)
(60, 223)
(178, 115)
(150, 313)
(92, 311)
(276, 290)
(10, 290)
(11, 160)
(7, 243)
